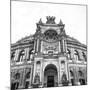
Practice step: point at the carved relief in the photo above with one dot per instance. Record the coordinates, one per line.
(37, 78)
(51, 35)
(54, 47)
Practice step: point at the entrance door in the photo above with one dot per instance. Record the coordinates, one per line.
(14, 86)
(51, 75)
(82, 81)
(50, 81)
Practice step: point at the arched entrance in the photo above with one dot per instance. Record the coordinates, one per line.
(81, 78)
(51, 75)
(72, 77)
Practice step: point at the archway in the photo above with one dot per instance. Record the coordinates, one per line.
(51, 75)
(15, 84)
(81, 78)
(72, 77)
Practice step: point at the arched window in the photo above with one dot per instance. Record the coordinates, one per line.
(12, 56)
(61, 45)
(69, 54)
(38, 62)
(21, 56)
(17, 76)
(81, 78)
(37, 78)
(30, 54)
(76, 55)
(38, 65)
(80, 73)
(72, 77)
(84, 56)
(28, 75)
(26, 84)
(71, 74)
(51, 34)
(62, 64)
(15, 85)
(64, 80)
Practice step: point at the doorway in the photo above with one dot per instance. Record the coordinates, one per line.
(50, 75)
(82, 81)
(50, 81)
(14, 86)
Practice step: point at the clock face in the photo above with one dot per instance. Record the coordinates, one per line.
(51, 35)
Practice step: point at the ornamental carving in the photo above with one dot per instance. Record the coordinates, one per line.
(51, 35)
(50, 20)
(54, 47)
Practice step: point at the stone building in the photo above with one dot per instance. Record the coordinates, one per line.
(49, 58)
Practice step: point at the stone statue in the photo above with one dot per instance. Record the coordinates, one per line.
(50, 20)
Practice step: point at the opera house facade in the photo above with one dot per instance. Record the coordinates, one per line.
(49, 58)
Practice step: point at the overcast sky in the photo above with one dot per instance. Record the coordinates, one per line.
(25, 15)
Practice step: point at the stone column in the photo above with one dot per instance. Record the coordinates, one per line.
(66, 65)
(41, 73)
(17, 55)
(76, 76)
(69, 77)
(72, 53)
(23, 79)
(34, 71)
(30, 77)
(80, 55)
(24, 57)
(37, 45)
(64, 48)
(27, 53)
(85, 75)
(59, 79)
(59, 47)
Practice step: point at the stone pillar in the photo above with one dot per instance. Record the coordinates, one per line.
(72, 53)
(80, 55)
(85, 75)
(34, 71)
(69, 77)
(23, 79)
(76, 76)
(60, 71)
(64, 45)
(17, 55)
(63, 68)
(37, 45)
(59, 47)
(42, 74)
(30, 80)
(59, 81)
(27, 53)
(67, 71)
(24, 57)
(42, 47)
